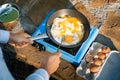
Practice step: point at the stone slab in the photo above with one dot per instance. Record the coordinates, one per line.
(111, 28)
(32, 56)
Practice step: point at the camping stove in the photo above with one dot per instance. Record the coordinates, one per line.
(72, 55)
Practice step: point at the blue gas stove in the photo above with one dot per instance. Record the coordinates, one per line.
(72, 55)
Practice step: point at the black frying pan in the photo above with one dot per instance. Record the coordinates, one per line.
(72, 13)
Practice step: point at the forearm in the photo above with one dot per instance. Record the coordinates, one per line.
(4, 36)
(39, 74)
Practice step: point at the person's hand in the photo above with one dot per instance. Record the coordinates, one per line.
(19, 40)
(51, 63)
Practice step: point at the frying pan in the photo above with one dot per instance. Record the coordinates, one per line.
(65, 12)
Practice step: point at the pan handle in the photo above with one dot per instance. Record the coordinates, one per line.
(41, 36)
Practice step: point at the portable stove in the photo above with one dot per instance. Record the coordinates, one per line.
(72, 55)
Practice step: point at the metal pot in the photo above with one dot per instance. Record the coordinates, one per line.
(66, 12)
(9, 17)
(9, 12)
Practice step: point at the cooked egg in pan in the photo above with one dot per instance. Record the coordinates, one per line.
(69, 27)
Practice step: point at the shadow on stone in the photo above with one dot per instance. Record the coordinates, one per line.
(105, 41)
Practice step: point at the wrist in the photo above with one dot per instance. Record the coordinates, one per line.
(4, 36)
(11, 37)
(42, 70)
(46, 70)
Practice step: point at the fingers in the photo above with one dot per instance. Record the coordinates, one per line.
(28, 41)
(22, 45)
(51, 62)
(19, 45)
(26, 38)
(12, 44)
(31, 41)
(26, 35)
(58, 54)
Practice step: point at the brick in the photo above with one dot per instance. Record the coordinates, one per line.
(81, 8)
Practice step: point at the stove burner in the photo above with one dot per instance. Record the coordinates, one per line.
(72, 51)
(39, 46)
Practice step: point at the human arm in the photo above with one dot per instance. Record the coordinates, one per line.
(4, 36)
(49, 65)
(39, 74)
(17, 40)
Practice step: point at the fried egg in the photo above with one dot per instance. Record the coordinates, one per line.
(69, 27)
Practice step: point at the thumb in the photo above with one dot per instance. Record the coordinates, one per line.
(28, 40)
(58, 54)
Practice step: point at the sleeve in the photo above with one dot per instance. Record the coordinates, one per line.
(4, 36)
(40, 74)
